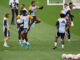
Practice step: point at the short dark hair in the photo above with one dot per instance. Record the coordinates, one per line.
(32, 2)
(23, 4)
(62, 15)
(24, 11)
(70, 3)
(6, 15)
(65, 4)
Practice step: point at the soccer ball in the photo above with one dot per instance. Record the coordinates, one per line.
(75, 57)
(18, 21)
(64, 56)
(78, 55)
(69, 56)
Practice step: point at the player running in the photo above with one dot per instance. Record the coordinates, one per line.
(61, 29)
(26, 27)
(32, 11)
(20, 25)
(6, 29)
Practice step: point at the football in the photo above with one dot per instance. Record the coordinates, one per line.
(18, 21)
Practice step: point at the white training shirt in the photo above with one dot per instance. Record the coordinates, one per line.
(62, 25)
(26, 20)
(34, 11)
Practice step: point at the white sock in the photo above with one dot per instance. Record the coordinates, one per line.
(24, 41)
(55, 44)
(5, 43)
(27, 42)
(19, 41)
(72, 24)
(69, 39)
(62, 45)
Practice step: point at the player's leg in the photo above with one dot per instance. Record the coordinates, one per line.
(23, 37)
(13, 15)
(26, 39)
(5, 42)
(68, 30)
(72, 23)
(7, 36)
(55, 43)
(62, 37)
(37, 20)
(19, 36)
(33, 22)
(16, 11)
(69, 36)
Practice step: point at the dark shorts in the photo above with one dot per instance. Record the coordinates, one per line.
(6, 34)
(25, 30)
(21, 29)
(18, 25)
(34, 18)
(60, 34)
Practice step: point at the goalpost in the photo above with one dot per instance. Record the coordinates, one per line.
(76, 3)
(56, 2)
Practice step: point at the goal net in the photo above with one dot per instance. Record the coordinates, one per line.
(76, 3)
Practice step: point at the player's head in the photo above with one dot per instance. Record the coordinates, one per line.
(24, 12)
(33, 3)
(22, 6)
(65, 5)
(62, 15)
(7, 15)
(70, 5)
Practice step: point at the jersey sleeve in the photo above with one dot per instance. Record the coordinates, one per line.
(61, 11)
(58, 19)
(18, 17)
(5, 21)
(37, 7)
(57, 23)
(30, 7)
(30, 17)
(69, 9)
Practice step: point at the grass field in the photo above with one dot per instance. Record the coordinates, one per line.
(41, 37)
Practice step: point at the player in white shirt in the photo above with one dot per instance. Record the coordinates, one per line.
(61, 29)
(67, 10)
(6, 29)
(32, 10)
(26, 27)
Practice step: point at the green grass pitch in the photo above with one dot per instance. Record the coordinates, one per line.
(41, 37)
